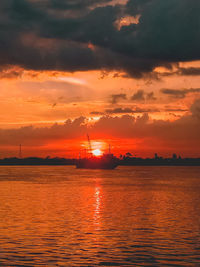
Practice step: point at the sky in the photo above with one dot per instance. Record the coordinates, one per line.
(125, 72)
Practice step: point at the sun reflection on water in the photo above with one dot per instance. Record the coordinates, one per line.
(97, 206)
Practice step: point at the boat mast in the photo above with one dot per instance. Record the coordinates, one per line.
(109, 150)
(89, 143)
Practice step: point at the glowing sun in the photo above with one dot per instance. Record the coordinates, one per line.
(96, 152)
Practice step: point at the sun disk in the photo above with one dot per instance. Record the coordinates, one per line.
(96, 152)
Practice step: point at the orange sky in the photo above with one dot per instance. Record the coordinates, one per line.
(41, 99)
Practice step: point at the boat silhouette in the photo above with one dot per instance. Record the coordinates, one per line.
(106, 161)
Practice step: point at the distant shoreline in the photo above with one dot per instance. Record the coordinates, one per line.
(125, 161)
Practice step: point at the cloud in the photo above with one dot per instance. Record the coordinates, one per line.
(151, 96)
(195, 108)
(189, 71)
(179, 71)
(179, 93)
(29, 135)
(96, 113)
(119, 111)
(10, 74)
(174, 93)
(115, 98)
(55, 35)
(170, 109)
(140, 95)
(130, 110)
(137, 110)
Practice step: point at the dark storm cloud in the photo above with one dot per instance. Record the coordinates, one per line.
(179, 93)
(74, 4)
(55, 35)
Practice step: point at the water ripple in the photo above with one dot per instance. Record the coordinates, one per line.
(132, 216)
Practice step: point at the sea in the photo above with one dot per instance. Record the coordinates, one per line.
(130, 216)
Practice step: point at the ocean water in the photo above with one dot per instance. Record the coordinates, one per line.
(131, 216)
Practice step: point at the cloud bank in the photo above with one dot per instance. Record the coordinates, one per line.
(181, 134)
(82, 35)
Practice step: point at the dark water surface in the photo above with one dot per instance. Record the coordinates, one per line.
(131, 216)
